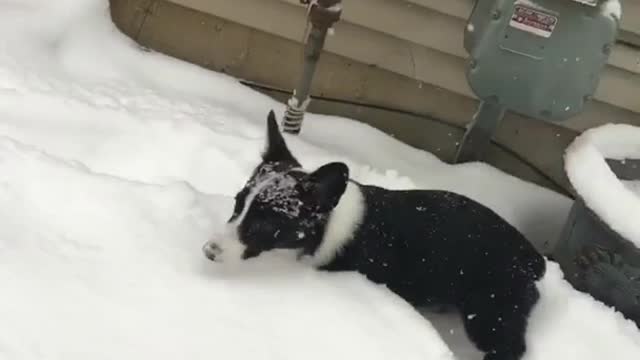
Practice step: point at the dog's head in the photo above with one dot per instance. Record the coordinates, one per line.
(281, 206)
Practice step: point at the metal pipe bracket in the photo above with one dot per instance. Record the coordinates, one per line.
(323, 13)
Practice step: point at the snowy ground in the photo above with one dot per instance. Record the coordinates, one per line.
(117, 164)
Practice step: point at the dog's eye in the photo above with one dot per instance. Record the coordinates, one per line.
(266, 227)
(263, 230)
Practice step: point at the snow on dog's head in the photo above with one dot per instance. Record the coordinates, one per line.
(281, 206)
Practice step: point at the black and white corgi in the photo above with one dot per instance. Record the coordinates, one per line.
(429, 247)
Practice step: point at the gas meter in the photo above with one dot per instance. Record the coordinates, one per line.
(539, 58)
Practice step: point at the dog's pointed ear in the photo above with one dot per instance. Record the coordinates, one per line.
(276, 149)
(325, 186)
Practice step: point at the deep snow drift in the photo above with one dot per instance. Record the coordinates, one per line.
(117, 164)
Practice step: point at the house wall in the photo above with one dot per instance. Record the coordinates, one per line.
(398, 65)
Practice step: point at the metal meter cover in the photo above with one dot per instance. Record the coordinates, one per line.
(539, 58)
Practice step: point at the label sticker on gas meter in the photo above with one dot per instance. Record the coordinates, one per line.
(532, 20)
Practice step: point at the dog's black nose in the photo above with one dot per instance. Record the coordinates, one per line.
(211, 251)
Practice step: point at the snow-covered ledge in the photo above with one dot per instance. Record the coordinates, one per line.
(594, 181)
